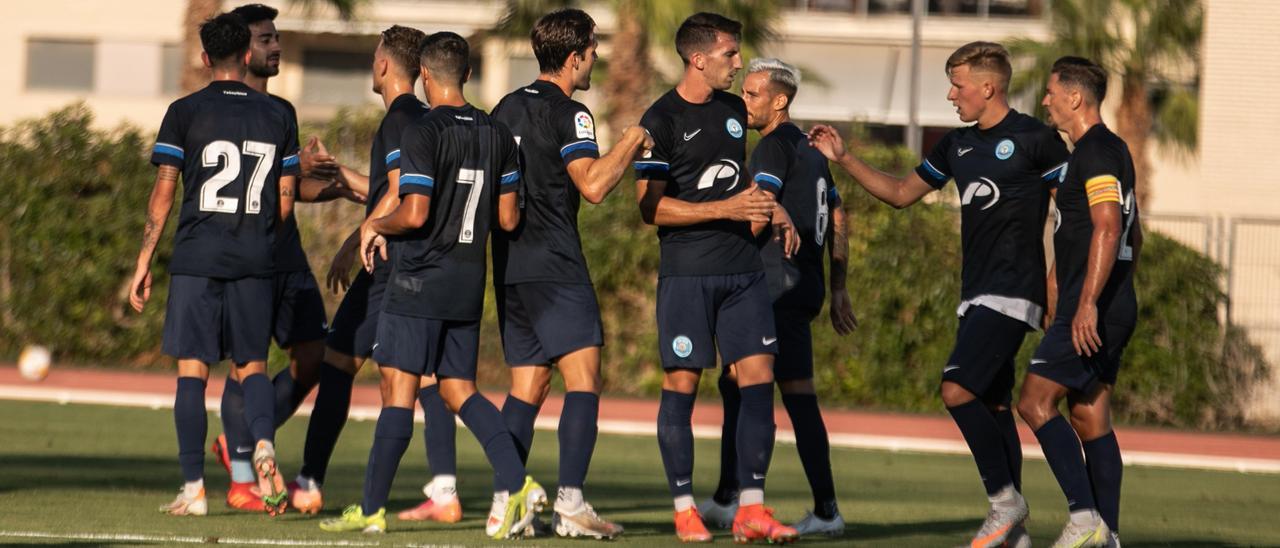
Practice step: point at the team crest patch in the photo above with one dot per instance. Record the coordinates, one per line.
(584, 125)
(1004, 149)
(682, 346)
(734, 128)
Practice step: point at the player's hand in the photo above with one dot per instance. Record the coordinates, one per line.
(371, 242)
(316, 162)
(347, 193)
(751, 205)
(1084, 330)
(828, 141)
(784, 231)
(842, 318)
(140, 288)
(339, 278)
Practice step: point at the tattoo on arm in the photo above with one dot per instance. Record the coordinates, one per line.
(158, 209)
(839, 250)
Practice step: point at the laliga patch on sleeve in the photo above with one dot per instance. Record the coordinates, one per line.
(584, 125)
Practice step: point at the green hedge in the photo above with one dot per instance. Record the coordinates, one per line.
(68, 242)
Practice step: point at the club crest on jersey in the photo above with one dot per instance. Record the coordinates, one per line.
(722, 170)
(1004, 149)
(982, 190)
(682, 346)
(584, 125)
(734, 128)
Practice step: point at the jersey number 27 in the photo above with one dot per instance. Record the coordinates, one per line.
(227, 154)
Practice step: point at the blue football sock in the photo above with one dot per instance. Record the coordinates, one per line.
(390, 440)
(731, 398)
(814, 449)
(1102, 457)
(756, 431)
(577, 432)
(333, 402)
(986, 443)
(1012, 445)
(287, 396)
(192, 424)
(519, 417)
(675, 440)
(1062, 450)
(259, 407)
(239, 441)
(485, 422)
(440, 432)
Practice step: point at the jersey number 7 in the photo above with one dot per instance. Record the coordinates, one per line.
(227, 154)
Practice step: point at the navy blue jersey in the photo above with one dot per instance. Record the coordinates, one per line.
(551, 130)
(1100, 170)
(232, 144)
(785, 163)
(699, 151)
(462, 160)
(384, 153)
(1003, 175)
(290, 256)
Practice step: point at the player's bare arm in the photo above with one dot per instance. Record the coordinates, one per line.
(339, 277)
(368, 236)
(1104, 243)
(1051, 295)
(288, 191)
(597, 177)
(842, 317)
(157, 213)
(410, 215)
(508, 211)
(751, 205)
(898, 192)
(784, 229)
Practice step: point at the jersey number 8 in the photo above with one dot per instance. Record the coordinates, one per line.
(226, 153)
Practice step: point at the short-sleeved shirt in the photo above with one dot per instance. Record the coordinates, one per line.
(1100, 170)
(232, 144)
(785, 163)
(290, 257)
(552, 131)
(1003, 175)
(384, 153)
(462, 160)
(699, 151)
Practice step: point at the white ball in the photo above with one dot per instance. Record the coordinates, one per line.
(34, 362)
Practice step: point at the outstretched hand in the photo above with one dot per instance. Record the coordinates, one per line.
(828, 141)
(316, 162)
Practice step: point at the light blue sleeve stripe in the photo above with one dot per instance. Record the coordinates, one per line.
(393, 156)
(1054, 173)
(580, 145)
(415, 179)
(508, 178)
(763, 177)
(163, 148)
(290, 161)
(652, 165)
(933, 170)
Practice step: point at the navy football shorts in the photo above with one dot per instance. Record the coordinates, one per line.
(425, 346)
(698, 313)
(982, 361)
(299, 309)
(542, 321)
(211, 319)
(795, 344)
(355, 324)
(1056, 359)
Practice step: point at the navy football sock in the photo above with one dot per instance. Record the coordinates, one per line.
(484, 420)
(731, 398)
(755, 435)
(814, 449)
(519, 417)
(440, 432)
(192, 424)
(1102, 457)
(259, 407)
(288, 396)
(1062, 450)
(390, 440)
(986, 442)
(1012, 445)
(675, 440)
(577, 433)
(333, 402)
(239, 440)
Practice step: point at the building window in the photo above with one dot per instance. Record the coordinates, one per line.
(65, 65)
(171, 65)
(979, 8)
(335, 77)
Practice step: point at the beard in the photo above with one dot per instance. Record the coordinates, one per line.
(264, 70)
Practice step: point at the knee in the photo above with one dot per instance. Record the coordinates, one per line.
(1035, 411)
(531, 384)
(455, 393)
(754, 370)
(954, 395)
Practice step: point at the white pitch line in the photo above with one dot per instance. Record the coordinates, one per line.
(644, 428)
(178, 539)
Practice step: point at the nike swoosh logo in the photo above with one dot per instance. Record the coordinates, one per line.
(767, 341)
(950, 368)
(1037, 361)
(757, 476)
(244, 450)
(963, 151)
(374, 347)
(688, 136)
(684, 482)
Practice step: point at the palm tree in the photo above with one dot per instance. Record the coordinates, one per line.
(645, 30)
(194, 75)
(1143, 44)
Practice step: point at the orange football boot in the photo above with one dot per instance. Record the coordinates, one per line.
(689, 527)
(755, 522)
